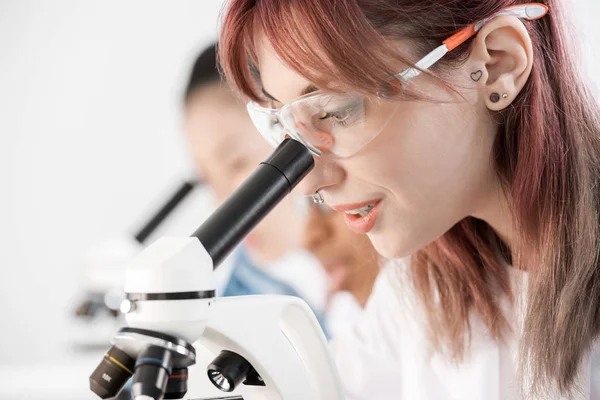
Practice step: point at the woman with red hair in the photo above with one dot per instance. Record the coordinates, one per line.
(459, 136)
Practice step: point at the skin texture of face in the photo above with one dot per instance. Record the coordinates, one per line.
(432, 165)
(349, 258)
(226, 148)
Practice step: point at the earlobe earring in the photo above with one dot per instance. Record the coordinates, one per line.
(494, 97)
(504, 96)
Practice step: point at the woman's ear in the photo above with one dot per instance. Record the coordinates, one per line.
(501, 61)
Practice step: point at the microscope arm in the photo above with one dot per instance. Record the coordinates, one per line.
(281, 338)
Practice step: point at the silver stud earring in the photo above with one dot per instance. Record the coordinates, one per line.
(317, 198)
(504, 96)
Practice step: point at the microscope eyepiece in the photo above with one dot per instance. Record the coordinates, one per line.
(270, 182)
(112, 373)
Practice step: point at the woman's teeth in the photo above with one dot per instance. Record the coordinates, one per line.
(362, 211)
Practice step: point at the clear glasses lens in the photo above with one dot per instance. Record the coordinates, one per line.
(325, 123)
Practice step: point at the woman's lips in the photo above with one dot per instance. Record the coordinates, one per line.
(354, 206)
(358, 223)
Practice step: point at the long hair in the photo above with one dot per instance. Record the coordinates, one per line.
(546, 154)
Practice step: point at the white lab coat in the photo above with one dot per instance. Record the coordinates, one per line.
(343, 313)
(386, 355)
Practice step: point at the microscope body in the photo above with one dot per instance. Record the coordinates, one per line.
(281, 339)
(263, 347)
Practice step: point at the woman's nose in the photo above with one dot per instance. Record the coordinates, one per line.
(326, 173)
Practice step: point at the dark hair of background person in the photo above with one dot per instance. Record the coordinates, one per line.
(205, 71)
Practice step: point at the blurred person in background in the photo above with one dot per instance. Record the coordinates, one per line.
(350, 261)
(226, 149)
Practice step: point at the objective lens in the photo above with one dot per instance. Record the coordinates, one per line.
(152, 371)
(177, 385)
(228, 370)
(112, 373)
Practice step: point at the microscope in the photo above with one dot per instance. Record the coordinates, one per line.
(262, 347)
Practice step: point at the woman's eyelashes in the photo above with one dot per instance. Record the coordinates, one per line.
(344, 116)
(337, 117)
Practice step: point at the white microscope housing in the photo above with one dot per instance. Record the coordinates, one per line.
(259, 347)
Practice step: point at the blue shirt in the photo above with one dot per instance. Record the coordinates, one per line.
(248, 279)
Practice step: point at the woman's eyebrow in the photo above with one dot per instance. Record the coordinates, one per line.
(308, 89)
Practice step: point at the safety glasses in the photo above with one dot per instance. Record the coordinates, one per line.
(342, 124)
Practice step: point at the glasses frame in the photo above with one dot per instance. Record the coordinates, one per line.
(528, 12)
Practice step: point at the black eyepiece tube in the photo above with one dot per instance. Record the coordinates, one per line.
(270, 182)
(162, 213)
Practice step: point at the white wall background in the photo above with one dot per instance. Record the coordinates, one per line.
(89, 133)
(90, 96)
